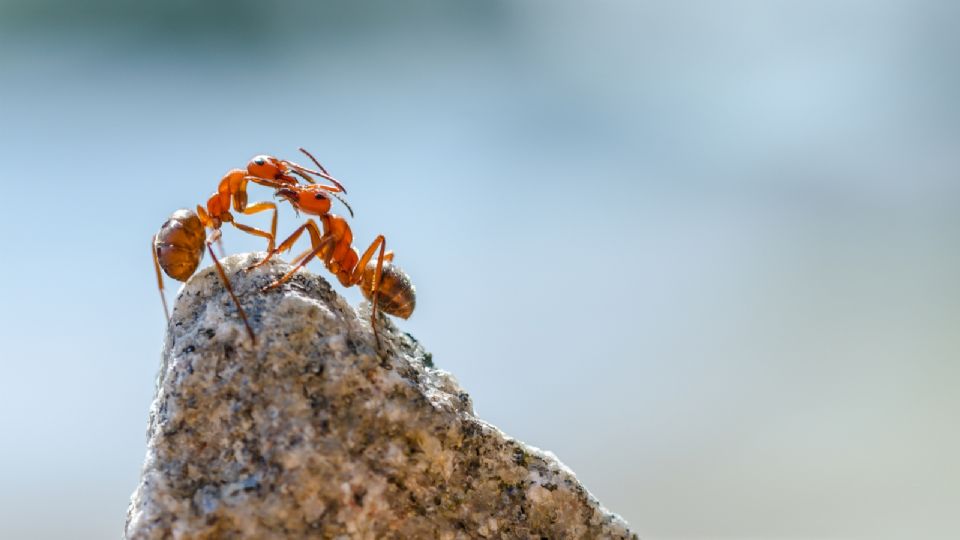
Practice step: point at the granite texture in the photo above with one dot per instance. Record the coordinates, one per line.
(311, 433)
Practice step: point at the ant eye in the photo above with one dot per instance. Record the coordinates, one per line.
(319, 196)
(259, 161)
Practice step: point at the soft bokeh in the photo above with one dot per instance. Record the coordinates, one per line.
(705, 252)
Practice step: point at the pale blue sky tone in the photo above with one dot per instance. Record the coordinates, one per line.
(705, 252)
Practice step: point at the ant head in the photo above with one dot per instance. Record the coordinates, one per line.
(303, 198)
(266, 167)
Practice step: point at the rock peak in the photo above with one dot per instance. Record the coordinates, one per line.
(311, 433)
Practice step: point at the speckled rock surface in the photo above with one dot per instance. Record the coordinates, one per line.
(311, 433)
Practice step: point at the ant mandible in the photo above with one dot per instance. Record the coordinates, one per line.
(178, 245)
(385, 285)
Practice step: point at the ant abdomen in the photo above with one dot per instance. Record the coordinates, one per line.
(179, 244)
(396, 294)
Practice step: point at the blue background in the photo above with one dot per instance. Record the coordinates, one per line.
(705, 252)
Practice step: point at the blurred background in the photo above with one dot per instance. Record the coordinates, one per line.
(706, 252)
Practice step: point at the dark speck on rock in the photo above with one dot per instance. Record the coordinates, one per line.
(519, 456)
(428, 360)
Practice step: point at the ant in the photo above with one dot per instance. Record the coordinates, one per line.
(178, 245)
(386, 286)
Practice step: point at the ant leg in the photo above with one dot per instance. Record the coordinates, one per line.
(357, 277)
(256, 232)
(261, 207)
(315, 239)
(300, 257)
(310, 226)
(253, 209)
(226, 283)
(319, 247)
(156, 266)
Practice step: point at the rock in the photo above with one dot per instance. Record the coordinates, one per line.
(311, 433)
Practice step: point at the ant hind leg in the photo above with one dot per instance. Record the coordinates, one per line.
(156, 266)
(357, 277)
(226, 284)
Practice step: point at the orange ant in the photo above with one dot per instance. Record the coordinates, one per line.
(386, 286)
(178, 245)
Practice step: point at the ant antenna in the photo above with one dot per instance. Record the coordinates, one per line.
(226, 283)
(309, 155)
(303, 175)
(344, 203)
(323, 171)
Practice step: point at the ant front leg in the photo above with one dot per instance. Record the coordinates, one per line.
(321, 245)
(253, 209)
(310, 226)
(236, 182)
